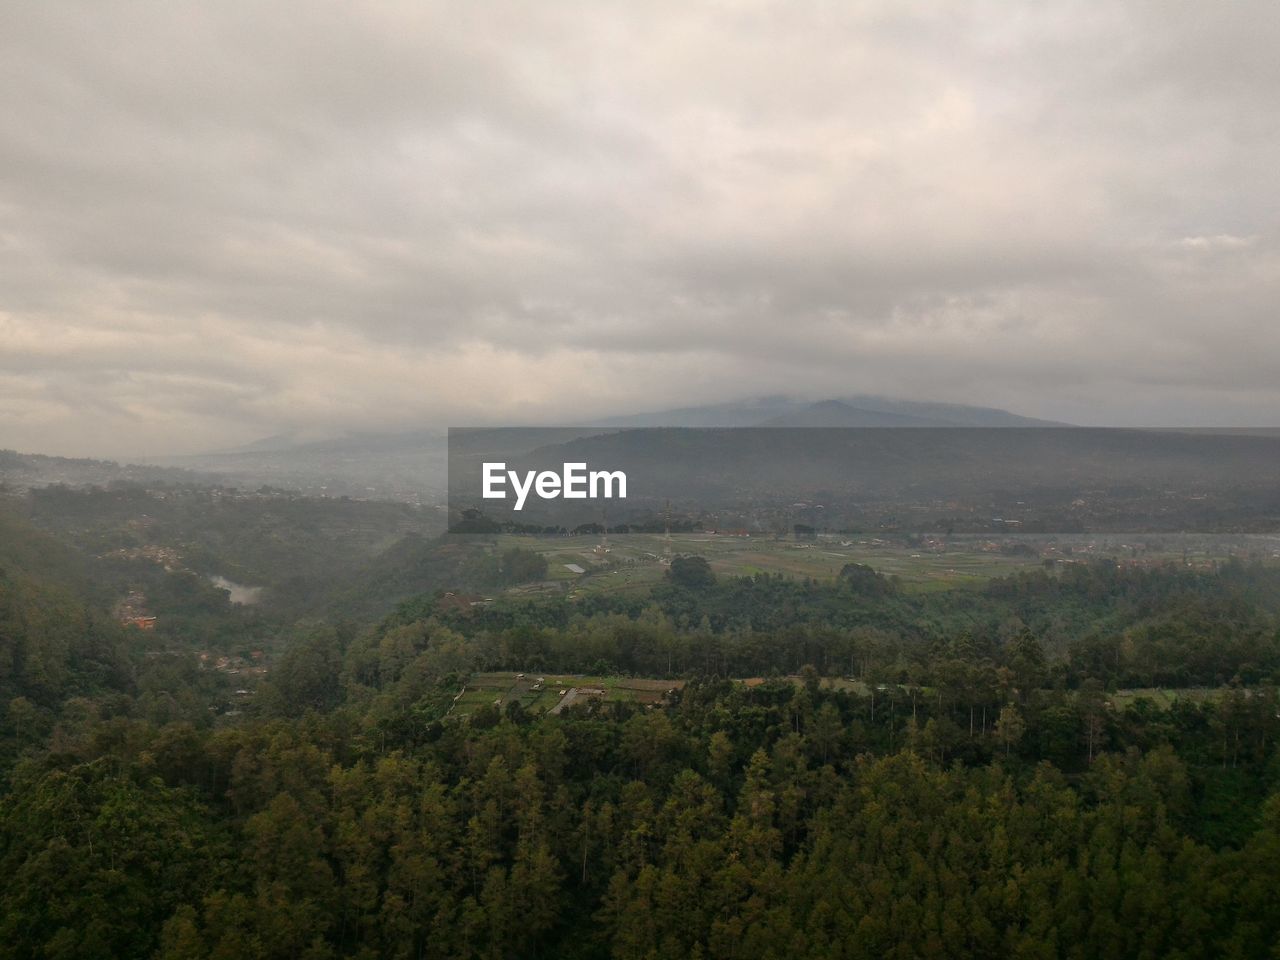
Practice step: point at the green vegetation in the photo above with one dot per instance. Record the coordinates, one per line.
(1068, 761)
(920, 563)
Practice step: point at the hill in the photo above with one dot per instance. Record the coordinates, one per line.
(837, 413)
(411, 465)
(1079, 478)
(863, 410)
(22, 471)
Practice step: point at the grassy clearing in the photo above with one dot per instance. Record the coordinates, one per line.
(634, 562)
(1164, 697)
(540, 693)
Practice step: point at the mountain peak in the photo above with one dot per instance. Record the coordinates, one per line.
(838, 413)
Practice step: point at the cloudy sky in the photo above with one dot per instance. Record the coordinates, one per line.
(220, 221)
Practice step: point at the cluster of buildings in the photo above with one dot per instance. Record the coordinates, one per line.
(132, 611)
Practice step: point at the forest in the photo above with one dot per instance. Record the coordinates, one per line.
(1070, 762)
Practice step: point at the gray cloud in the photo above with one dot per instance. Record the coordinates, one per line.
(224, 220)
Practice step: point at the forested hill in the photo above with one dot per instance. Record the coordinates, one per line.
(29, 553)
(23, 471)
(816, 769)
(56, 639)
(1075, 760)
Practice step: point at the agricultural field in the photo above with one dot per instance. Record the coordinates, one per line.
(549, 693)
(581, 565)
(1164, 697)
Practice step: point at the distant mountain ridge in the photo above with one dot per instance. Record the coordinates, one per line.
(410, 464)
(1054, 478)
(772, 411)
(950, 414)
(863, 410)
(20, 471)
(837, 413)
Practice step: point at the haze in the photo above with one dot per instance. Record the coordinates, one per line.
(224, 221)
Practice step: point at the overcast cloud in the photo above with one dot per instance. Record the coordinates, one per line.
(221, 220)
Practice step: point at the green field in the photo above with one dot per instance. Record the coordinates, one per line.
(1162, 697)
(542, 693)
(634, 562)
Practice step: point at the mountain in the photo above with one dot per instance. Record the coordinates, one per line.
(1127, 479)
(411, 465)
(948, 414)
(863, 410)
(837, 413)
(742, 413)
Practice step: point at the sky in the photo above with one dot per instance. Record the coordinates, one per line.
(225, 221)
